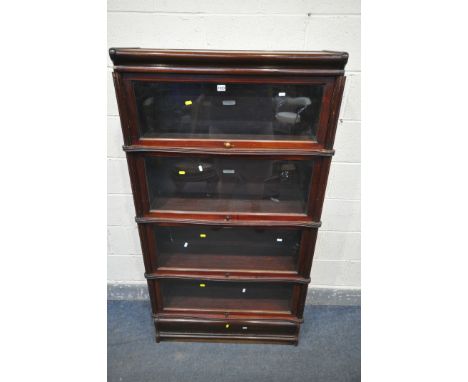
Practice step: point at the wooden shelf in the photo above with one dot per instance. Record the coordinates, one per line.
(228, 262)
(227, 205)
(230, 137)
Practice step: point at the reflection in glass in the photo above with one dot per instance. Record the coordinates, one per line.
(228, 184)
(240, 111)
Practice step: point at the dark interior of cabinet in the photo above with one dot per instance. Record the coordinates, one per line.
(224, 296)
(228, 184)
(227, 248)
(227, 110)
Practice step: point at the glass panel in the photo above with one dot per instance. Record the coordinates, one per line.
(227, 110)
(227, 248)
(228, 184)
(226, 296)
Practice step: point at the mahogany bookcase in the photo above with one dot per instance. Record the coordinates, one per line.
(228, 154)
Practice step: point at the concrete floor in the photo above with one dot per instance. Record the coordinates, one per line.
(329, 350)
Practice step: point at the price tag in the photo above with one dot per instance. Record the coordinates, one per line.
(221, 88)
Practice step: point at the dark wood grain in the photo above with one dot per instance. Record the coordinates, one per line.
(220, 220)
(228, 277)
(236, 316)
(294, 149)
(148, 57)
(231, 330)
(271, 310)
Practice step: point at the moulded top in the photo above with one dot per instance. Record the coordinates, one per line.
(151, 57)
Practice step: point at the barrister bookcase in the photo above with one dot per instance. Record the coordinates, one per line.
(228, 154)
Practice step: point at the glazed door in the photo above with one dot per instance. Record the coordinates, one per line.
(225, 296)
(209, 111)
(228, 111)
(228, 184)
(188, 248)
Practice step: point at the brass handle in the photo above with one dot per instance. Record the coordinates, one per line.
(228, 145)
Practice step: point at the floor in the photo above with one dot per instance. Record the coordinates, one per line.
(329, 350)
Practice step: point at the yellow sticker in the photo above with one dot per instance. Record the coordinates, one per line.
(202, 285)
(188, 103)
(203, 235)
(227, 325)
(181, 172)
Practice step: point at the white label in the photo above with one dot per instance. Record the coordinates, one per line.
(200, 167)
(229, 102)
(244, 328)
(221, 88)
(279, 239)
(185, 245)
(243, 290)
(229, 171)
(281, 94)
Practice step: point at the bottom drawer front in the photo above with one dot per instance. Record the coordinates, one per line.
(220, 296)
(228, 327)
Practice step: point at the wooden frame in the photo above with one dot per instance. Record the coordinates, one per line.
(302, 271)
(199, 320)
(210, 143)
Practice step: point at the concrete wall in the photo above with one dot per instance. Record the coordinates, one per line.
(242, 24)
